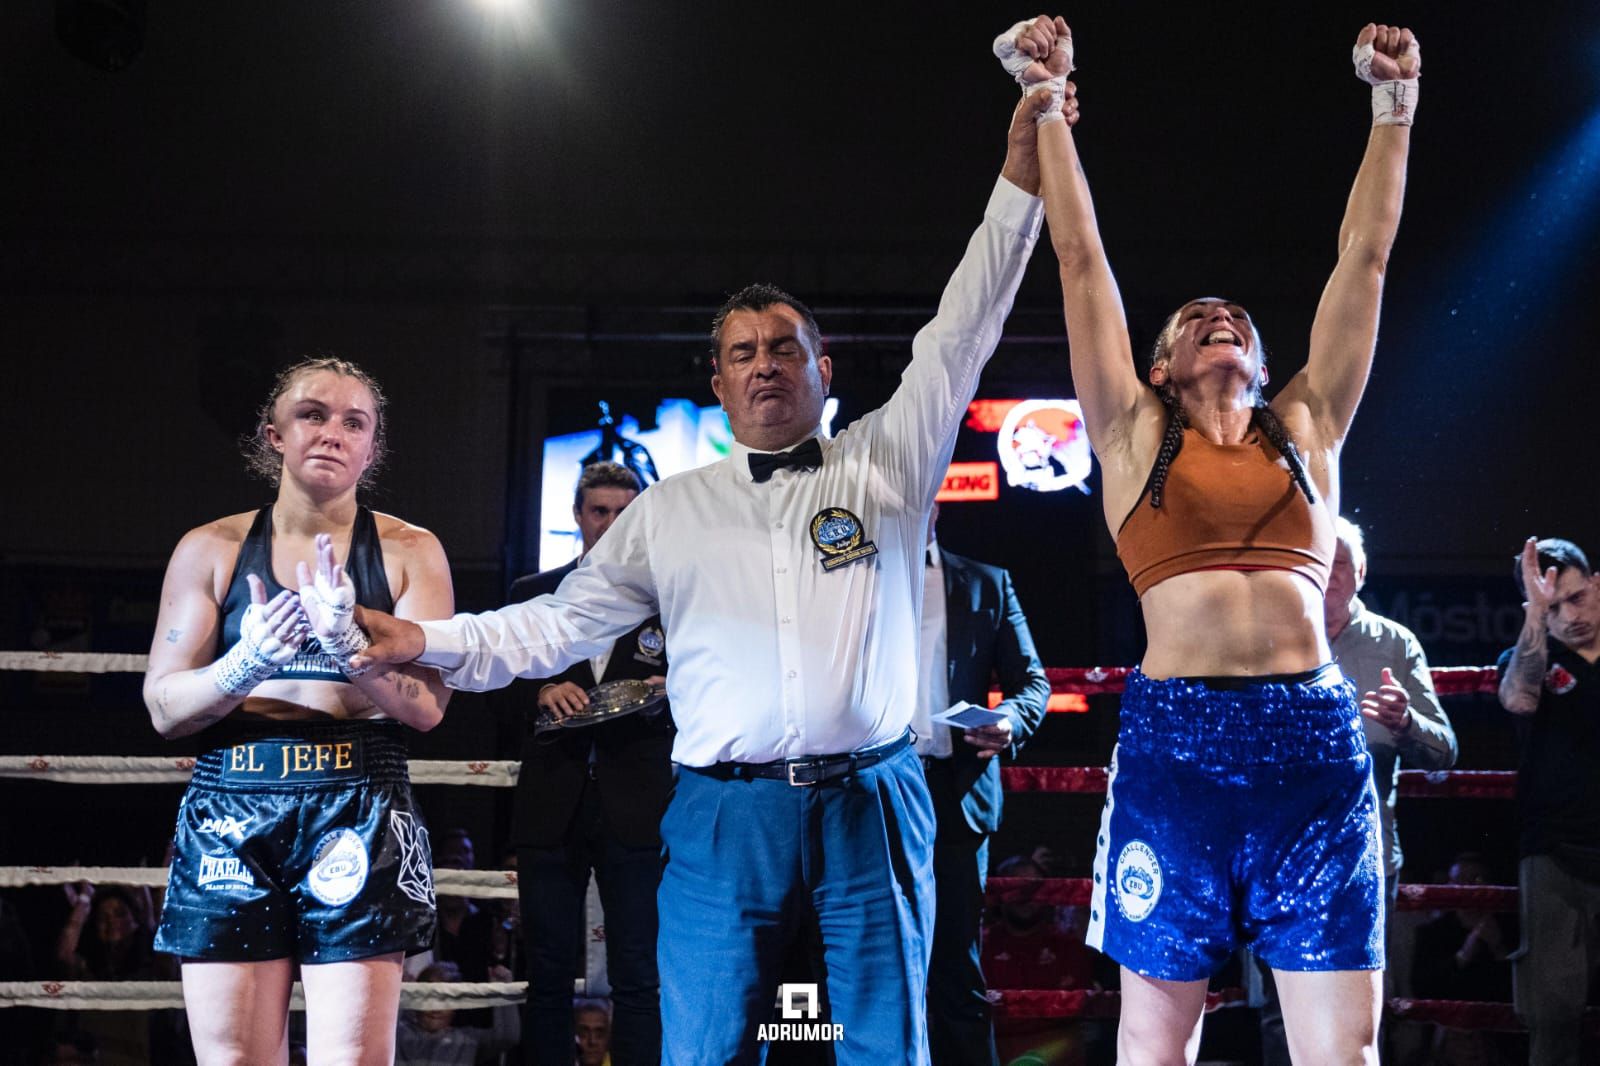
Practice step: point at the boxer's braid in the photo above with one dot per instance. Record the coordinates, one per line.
(1266, 420)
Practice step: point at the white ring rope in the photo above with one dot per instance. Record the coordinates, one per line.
(475, 884)
(152, 769)
(74, 662)
(168, 995)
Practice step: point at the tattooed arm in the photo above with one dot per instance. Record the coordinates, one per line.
(184, 690)
(415, 695)
(1522, 677)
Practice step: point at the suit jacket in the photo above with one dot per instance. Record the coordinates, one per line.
(986, 636)
(632, 756)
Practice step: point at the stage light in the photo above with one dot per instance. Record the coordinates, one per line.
(1530, 250)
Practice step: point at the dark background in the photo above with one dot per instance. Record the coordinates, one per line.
(495, 223)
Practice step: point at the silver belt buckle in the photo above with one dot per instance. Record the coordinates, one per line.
(790, 768)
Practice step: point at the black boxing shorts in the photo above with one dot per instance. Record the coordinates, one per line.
(303, 843)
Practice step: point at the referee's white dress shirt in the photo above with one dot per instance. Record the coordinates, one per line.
(933, 687)
(774, 657)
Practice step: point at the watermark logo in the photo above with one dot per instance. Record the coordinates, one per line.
(799, 1005)
(799, 1001)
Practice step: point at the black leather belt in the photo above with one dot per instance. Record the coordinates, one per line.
(811, 770)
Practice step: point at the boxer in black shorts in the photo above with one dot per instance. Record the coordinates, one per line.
(301, 842)
(298, 841)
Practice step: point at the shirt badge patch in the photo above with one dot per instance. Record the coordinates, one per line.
(839, 537)
(652, 642)
(1559, 679)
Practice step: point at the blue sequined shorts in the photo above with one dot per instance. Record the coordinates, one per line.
(1240, 811)
(301, 842)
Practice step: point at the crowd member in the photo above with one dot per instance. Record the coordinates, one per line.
(1462, 955)
(973, 630)
(107, 936)
(591, 799)
(433, 1038)
(1033, 945)
(298, 844)
(1401, 716)
(71, 1048)
(591, 1026)
(788, 577)
(1240, 808)
(1551, 676)
(453, 850)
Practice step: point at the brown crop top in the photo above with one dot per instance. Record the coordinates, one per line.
(1226, 507)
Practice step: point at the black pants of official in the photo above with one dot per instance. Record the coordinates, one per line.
(552, 886)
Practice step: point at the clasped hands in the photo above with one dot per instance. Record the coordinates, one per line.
(324, 604)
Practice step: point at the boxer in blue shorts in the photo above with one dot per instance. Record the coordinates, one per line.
(298, 844)
(1241, 810)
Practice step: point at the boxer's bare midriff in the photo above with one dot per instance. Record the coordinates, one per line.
(1236, 623)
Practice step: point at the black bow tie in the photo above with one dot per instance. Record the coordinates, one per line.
(807, 456)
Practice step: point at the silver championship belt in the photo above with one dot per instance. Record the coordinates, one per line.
(607, 701)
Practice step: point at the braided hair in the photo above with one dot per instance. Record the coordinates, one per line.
(1263, 419)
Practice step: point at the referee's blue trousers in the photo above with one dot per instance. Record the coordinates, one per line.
(748, 860)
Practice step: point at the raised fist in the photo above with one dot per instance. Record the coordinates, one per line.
(1386, 53)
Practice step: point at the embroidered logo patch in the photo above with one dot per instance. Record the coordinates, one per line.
(226, 826)
(223, 872)
(1559, 679)
(1137, 880)
(652, 642)
(838, 535)
(339, 870)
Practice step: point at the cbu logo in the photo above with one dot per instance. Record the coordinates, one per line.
(1138, 881)
(836, 529)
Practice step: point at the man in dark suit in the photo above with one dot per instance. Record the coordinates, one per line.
(973, 630)
(592, 799)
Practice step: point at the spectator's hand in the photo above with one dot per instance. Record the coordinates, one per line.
(1390, 707)
(1540, 588)
(1049, 860)
(990, 740)
(1489, 935)
(79, 896)
(498, 972)
(394, 640)
(563, 699)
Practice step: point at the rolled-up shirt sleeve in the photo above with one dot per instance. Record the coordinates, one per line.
(611, 592)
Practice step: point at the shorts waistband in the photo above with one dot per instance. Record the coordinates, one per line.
(1243, 721)
(290, 756)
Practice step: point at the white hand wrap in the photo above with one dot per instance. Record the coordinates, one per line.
(1394, 103)
(256, 657)
(1016, 63)
(336, 605)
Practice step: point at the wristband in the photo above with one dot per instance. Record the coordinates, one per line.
(1058, 96)
(344, 645)
(257, 655)
(1394, 102)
